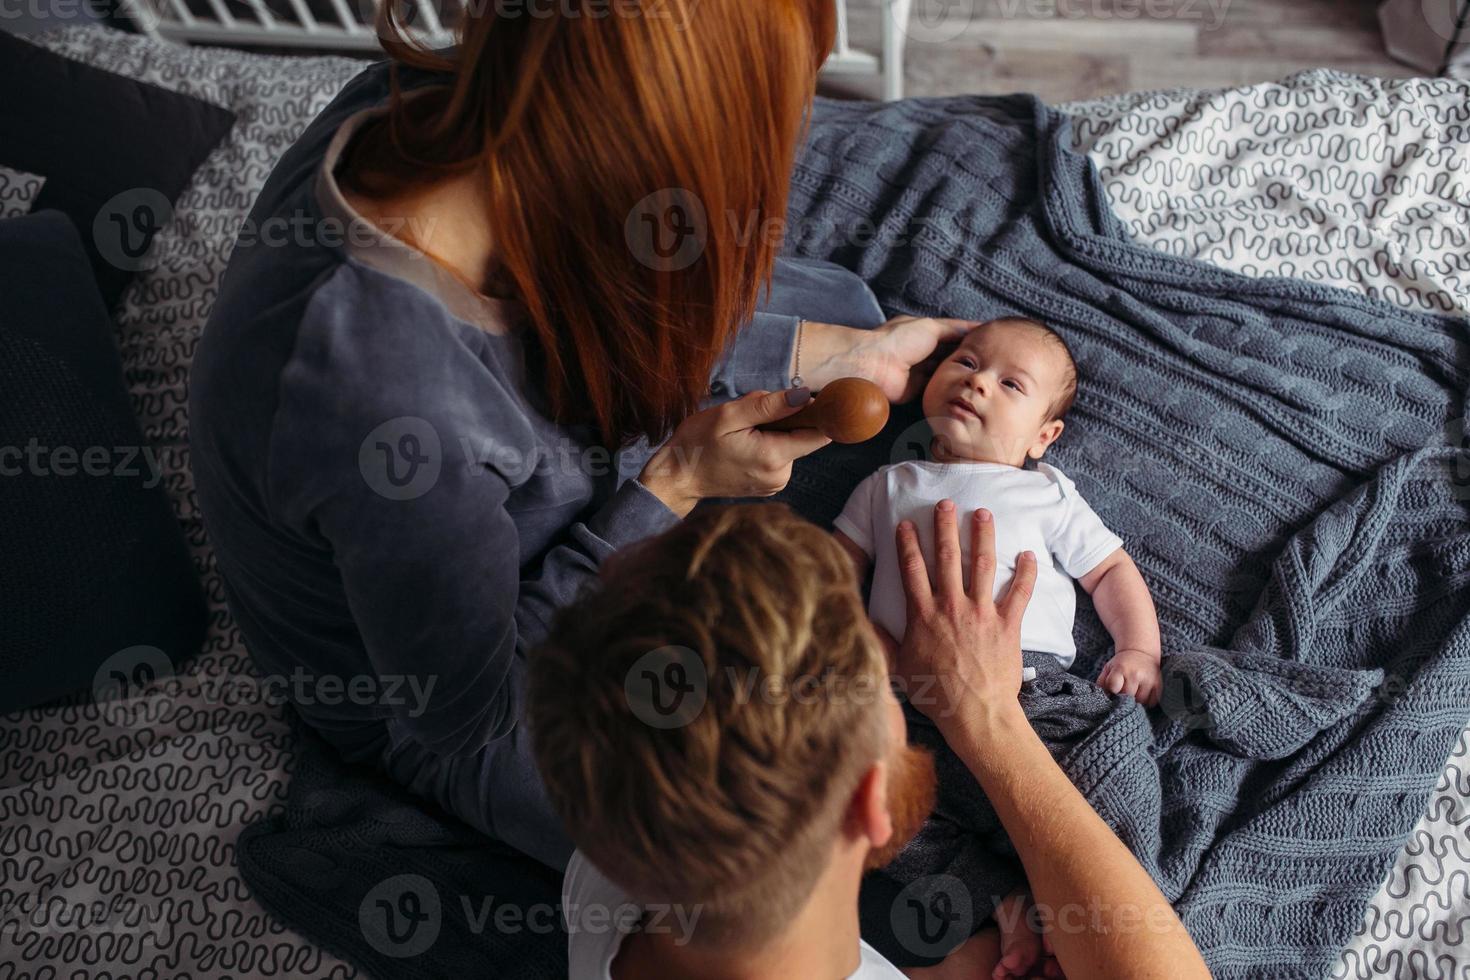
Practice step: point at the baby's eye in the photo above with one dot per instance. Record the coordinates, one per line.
(967, 361)
(1013, 383)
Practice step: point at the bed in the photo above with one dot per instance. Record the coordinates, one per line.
(1329, 177)
(340, 26)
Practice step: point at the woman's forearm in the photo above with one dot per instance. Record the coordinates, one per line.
(661, 478)
(817, 355)
(1104, 914)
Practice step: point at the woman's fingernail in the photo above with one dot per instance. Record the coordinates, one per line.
(983, 516)
(905, 525)
(1028, 555)
(798, 396)
(946, 505)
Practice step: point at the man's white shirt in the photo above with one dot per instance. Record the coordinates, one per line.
(599, 914)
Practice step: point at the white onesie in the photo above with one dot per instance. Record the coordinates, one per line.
(1036, 510)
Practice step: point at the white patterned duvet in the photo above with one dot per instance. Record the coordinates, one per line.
(118, 822)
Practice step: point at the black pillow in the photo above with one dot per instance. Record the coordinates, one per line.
(115, 153)
(95, 575)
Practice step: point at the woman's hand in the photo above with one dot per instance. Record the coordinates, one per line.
(961, 653)
(898, 357)
(1025, 952)
(974, 959)
(719, 452)
(1011, 949)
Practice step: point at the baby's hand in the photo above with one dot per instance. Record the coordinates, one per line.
(1134, 672)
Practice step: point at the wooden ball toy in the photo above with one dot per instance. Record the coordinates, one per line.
(847, 410)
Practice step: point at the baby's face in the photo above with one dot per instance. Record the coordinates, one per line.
(991, 400)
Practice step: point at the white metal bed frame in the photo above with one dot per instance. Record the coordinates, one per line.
(347, 25)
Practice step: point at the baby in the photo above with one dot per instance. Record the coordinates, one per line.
(998, 401)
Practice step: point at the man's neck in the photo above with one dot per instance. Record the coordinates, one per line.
(821, 942)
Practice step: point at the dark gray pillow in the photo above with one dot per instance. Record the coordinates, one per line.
(114, 152)
(94, 563)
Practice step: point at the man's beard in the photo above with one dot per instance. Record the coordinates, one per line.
(912, 785)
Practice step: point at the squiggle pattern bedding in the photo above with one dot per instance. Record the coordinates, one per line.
(1358, 182)
(18, 191)
(118, 822)
(1364, 184)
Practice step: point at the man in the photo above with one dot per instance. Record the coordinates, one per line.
(714, 726)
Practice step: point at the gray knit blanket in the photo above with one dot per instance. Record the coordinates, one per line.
(1286, 462)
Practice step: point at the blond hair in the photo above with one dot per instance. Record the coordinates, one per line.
(736, 808)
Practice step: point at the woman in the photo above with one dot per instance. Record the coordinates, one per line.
(423, 408)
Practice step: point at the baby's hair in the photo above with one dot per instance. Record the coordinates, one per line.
(1063, 402)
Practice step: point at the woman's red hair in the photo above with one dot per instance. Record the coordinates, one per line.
(578, 112)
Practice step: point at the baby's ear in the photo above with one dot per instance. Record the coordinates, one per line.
(1049, 434)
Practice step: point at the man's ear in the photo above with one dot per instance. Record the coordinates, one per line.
(1049, 434)
(867, 813)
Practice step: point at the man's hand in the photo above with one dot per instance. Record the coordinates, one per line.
(960, 658)
(1133, 672)
(1070, 856)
